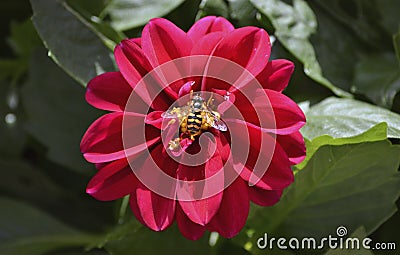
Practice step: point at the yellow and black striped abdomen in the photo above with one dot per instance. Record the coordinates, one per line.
(194, 123)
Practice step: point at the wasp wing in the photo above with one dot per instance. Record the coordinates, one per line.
(219, 124)
(176, 112)
(215, 121)
(170, 114)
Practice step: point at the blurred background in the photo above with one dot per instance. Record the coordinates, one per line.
(43, 115)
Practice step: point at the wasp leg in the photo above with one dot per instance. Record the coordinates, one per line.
(205, 121)
(210, 100)
(191, 95)
(171, 122)
(173, 144)
(184, 125)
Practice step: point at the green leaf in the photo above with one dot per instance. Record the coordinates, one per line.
(80, 251)
(360, 234)
(293, 28)
(348, 185)
(347, 117)
(133, 238)
(243, 12)
(212, 7)
(359, 17)
(334, 52)
(72, 42)
(376, 133)
(396, 43)
(12, 69)
(26, 230)
(190, 10)
(378, 77)
(53, 189)
(389, 13)
(23, 181)
(127, 14)
(226, 246)
(23, 38)
(57, 112)
(359, 36)
(90, 10)
(94, 8)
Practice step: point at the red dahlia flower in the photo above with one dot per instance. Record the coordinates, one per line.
(198, 127)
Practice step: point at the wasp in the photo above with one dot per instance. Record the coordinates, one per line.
(195, 117)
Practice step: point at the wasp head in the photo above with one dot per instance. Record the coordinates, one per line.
(197, 102)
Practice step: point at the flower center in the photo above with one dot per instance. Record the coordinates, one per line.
(195, 117)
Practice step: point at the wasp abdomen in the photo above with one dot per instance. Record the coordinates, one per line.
(194, 123)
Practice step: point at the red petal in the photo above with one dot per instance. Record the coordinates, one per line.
(259, 168)
(155, 119)
(135, 208)
(276, 74)
(132, 61)
(157, 171)
(245, 108)
(183, 145)
(293, 145)
(206, 44)
(233, 211)
(223, 146)
(108, 91)
(201, 208)
(201, 56)
(102, 141)
(278, 176)
(113, 181)
(152, 210)
(159, 158)
(288, 115)
(162, 41)
(155, 211)
(208, 25)
(248, 46)
(188, 228)
(285, 117)
(134, 66)
(248, 50)
(264, 197)
(185, 89)
(137, 40)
